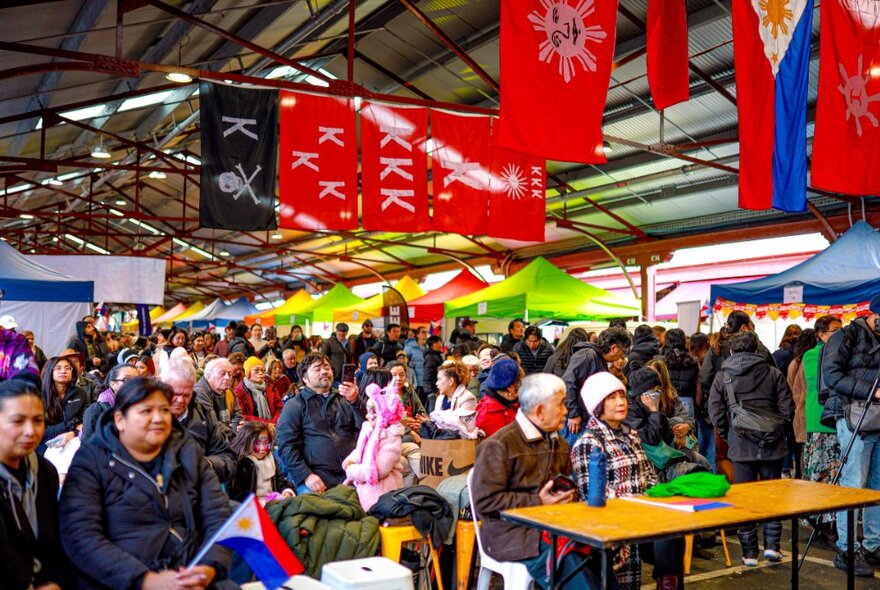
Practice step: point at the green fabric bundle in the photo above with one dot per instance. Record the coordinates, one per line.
(694, 485)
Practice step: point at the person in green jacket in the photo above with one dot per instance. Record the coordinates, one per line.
(822, 449)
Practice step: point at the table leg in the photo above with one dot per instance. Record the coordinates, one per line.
(850, 550)
(794, 554)
(604, 569)
(552, 561)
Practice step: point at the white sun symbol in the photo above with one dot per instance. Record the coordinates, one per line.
(514, 181)
(567, 35)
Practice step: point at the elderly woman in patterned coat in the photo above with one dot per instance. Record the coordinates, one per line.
(629, 472)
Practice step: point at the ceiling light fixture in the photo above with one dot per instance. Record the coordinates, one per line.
(100, 152)
(277, 236)
(121, 202)
(26, 216)
(178, 77)
(224, 253)
(158, 174)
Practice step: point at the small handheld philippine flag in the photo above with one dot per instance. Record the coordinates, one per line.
(252, 534)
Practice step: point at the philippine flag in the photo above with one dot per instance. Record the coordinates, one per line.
(771, 41)
(252, 534)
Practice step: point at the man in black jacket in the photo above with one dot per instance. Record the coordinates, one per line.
(389, 346)
(515, 330)
(645, 347)
(199, 425)
(336, 349)
(319, 428)
(533, 351)
(433, 361)
(365, 340)
(589, 358)
(849, 370)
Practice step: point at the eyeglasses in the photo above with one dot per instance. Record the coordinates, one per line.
(123, 380)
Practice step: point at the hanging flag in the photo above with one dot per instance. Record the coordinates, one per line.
(846, 146)
(318, 162)
(460, 166)
(394, 175)
(239, 148)
(771, 43)
(555, 64)
(145, 324)
(251, 533)
(517, 195)
(667, 52)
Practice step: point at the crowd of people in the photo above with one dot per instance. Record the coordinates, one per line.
(152, 441)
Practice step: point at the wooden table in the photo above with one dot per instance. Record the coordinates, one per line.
(622, 522)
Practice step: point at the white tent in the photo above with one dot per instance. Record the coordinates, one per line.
(42, 300)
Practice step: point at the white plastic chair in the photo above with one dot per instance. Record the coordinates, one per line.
(515, 575)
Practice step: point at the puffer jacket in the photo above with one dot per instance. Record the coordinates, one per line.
(757, 385)
(242, 345)
(492, 415)
(20, 546)
(586, 360)
(118, 522)
(683, 373)
(322, 528)
(416, 356)
(645, 348)
(533, 361)
(712, 364)
(73, 406)
(212, 439)
(848, 368)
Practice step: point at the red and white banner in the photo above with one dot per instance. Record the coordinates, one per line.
(517, 195)
(394, 167)
(460, 166)
(555, 66)
(667, 41)
(846, 146)
(318, 161)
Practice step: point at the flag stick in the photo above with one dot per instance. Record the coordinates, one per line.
(210, 542)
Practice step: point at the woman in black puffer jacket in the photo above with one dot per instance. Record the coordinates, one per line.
(140, 499)
(683, 370)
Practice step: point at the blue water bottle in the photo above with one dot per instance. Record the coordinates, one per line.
(598, 474)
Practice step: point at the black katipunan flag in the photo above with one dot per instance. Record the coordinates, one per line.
(239, 149)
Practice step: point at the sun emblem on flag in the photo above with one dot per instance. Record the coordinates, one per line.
(855, 93)
(514, 181)
(244, 524)
(777, 15)
(567, 35)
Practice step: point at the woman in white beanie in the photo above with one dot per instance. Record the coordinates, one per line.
(629, 472)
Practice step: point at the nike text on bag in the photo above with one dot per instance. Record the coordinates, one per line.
(445, 458)
(854, 409)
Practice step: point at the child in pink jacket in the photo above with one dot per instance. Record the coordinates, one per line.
(374, 465)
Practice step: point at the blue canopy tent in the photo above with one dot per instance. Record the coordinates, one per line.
(42, 300)
(219, 314)
(846, 272)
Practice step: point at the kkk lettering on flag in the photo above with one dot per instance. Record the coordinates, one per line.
(239, 148)
(318, 161)
(517, 195)
(460, 172)
(394, 167)
(771, 45)
(555, 66)
(846, 146)
(667, 47)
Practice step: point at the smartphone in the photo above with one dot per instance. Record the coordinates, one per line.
(562, 484)
(348, 373)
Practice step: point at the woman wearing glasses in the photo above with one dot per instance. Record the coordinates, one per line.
(116, 378)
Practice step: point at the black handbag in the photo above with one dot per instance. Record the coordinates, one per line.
(747, 419)
(854, 409)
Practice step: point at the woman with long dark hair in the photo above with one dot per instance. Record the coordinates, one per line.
(65, 403)
(558, 361)
(785, 353)
(683, 370)
(798, 385)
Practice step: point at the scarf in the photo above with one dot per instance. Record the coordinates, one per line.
(23, 497)
(107, 397)
(500, 398)
(258, 392)
(265, 469)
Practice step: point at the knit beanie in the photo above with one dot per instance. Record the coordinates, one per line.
(597, 387)
(643, 379)
(125, 355)
(250, 363)
(502, 374)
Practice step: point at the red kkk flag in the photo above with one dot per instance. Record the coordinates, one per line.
(555, 66)
(517, 195)
(846, 146)
(667, 40)
(460, 166)
(318, 160)
(394, 167)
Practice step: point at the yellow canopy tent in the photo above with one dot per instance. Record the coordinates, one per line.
(166, 318)
(372, 308)
(191, 310)
(294, 304)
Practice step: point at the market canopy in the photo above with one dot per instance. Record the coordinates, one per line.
(167, 317)
(219, 314)
(540, 290)
(154, 313)
(191, 311)
(321, 310)
(291, 306)
(371, 308)
(430, 306)
(846, 272)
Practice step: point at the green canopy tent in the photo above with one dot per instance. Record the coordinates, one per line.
(542, 291)
(321, 309)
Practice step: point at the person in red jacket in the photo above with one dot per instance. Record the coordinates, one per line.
(498, 407)
(256, 395)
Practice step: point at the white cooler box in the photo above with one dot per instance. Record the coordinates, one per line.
(371, 573)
